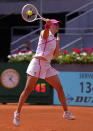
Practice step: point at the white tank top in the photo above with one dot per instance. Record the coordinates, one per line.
(46, 48)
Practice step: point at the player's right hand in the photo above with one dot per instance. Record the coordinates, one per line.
(48, 21)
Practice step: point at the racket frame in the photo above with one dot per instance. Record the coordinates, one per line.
(37, 14)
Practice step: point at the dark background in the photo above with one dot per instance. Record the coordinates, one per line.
(6, 22)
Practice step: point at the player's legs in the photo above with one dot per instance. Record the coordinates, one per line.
(31, 81)
(55, 82)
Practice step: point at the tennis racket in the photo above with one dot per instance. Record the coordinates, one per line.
(30, 13)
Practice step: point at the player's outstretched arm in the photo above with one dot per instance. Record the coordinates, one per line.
(45, 32)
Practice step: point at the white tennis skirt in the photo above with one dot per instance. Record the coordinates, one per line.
(40, 69)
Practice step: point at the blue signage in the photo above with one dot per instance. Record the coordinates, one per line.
(78, 88)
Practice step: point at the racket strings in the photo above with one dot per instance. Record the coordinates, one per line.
(28, 17)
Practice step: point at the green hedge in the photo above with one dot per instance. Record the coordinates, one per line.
(75, 57)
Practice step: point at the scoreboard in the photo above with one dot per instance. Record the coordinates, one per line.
(13, 79)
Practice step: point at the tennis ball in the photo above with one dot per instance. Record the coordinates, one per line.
(29, 12)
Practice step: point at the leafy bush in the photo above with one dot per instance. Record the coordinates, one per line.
(20, 57)
(83, 56)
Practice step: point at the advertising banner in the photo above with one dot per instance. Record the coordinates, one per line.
(78, 88)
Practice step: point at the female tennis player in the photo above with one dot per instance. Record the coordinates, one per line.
(40, 67)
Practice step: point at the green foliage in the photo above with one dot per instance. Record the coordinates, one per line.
(75, 58)
(64, 58)
(22, 57)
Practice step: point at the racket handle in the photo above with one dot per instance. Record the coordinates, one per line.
(44, 19)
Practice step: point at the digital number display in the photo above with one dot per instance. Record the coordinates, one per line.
(40, 88)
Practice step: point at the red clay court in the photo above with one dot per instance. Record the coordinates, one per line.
(46, 118)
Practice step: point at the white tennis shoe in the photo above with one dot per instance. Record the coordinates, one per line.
(68, 115)
(16, 120)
